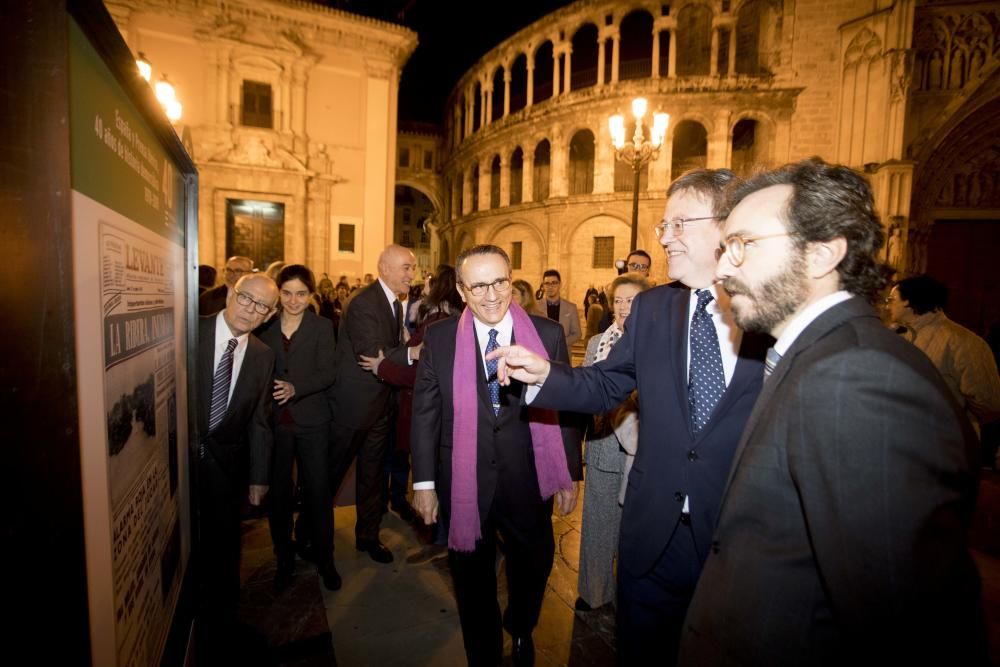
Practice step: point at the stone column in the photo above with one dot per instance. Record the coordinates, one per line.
(531, 84)
(467, 192)
(485, 181)
(299, 84)
(558, 163)
(506, 90)
(615, 57)
(713, 66)
(567, 77)
(672, 56)
(528, 176)
(504, 180)
(656, 52)
(555, 73)
(718, 140)
(222, 89)
(488, 107)
(600, 61)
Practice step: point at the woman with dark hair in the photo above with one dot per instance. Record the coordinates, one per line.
(442, 297)
(303, 346)
(525, 296)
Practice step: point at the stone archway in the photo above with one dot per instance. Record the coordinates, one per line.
(955, 223)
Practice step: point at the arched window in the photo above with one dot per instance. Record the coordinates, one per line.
(516, 175)
(475, 189)
(519, 83)
(758, 30)
(495, 182)
(694, 40)
(477, 106)
(690, 147)
(543, 73)
(636, 54)
(584, 60)
(540, 178)
(749, 147)
(581, 163)
(497, 95)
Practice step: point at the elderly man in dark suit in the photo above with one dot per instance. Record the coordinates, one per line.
(494, 464)
(213, 300)
(235, 443)
(372, 321)
(698, 376)
(842, 532)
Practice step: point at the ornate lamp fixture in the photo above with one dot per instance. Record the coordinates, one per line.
(639, 151)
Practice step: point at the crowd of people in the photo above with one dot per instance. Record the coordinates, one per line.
(774, 476)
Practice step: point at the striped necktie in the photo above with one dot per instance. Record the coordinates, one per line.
(770, 361)
(220, 386)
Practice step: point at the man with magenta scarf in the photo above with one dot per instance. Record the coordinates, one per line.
(494, 464)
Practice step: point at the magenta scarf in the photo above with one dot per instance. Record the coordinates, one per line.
(546, 437)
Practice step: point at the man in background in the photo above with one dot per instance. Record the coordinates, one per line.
(964, 360)
(558, 309)
(212, 301)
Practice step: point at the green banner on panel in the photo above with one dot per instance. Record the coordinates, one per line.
(116, 159)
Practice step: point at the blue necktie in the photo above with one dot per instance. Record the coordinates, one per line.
(491, 372)
(708, 381)
(220, 386)
(770, 361)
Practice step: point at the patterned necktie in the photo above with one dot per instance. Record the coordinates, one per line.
(491, 372)
(770, 361)
(220, 386)
(708, 381)
(397, 313)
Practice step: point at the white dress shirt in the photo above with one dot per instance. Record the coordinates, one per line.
(222, 336)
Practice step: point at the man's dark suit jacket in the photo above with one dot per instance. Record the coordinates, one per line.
(212, 300)
(670, 462)
(505, 460)
(308, 365)
(841, 537)
(357, 397)
(243, 442)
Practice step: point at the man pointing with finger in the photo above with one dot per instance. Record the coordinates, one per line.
(494, 464)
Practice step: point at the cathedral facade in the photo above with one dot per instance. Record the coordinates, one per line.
(907, 92)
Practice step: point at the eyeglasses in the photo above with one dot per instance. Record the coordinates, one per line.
(636, 266)
(735, 246)
(550, 283)
(246, 300)
(500, 286)
(677, 225)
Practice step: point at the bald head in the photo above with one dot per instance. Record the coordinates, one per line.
(251, 303)
(397, 267)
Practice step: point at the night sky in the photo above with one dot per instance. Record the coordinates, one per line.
(453, 35)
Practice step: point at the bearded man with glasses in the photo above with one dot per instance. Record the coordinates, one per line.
(492, 463)
(841, 537)
(698, 376)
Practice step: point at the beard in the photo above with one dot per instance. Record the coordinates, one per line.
(772, 302)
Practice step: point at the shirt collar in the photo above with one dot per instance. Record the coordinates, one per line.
(921, 321)
(223, 333)
(504, 327)
(713, 307)
(389, 294)
(806, 317)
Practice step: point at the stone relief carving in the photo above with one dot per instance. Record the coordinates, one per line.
(974, 183)
(952, 48)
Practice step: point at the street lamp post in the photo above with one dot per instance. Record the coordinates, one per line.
(639, 151)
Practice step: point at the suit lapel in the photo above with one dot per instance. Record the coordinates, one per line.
(818, 328)
(679, 351)
(206, 354)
